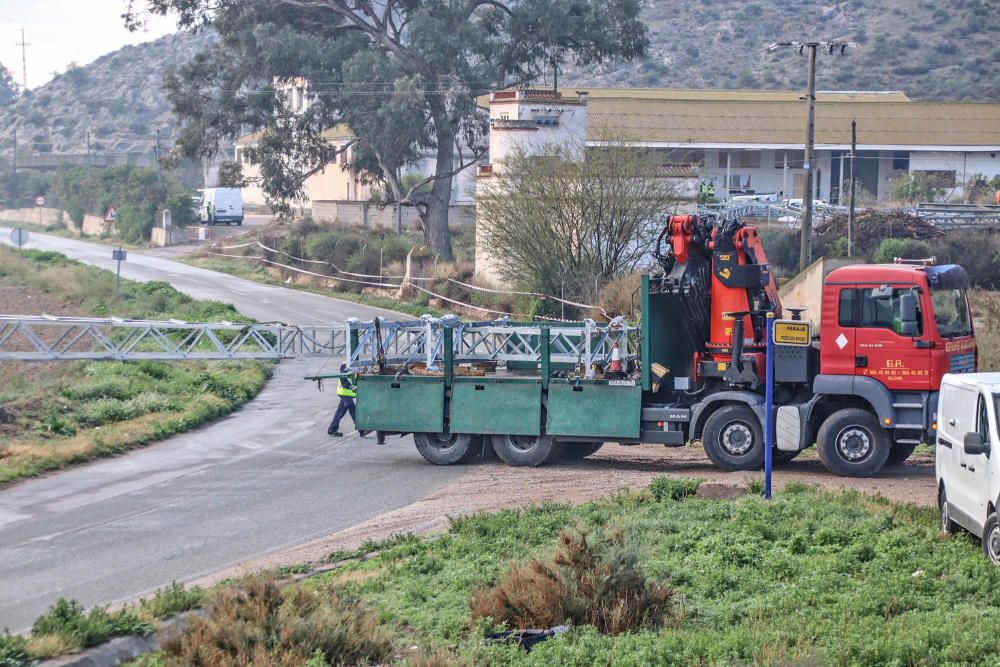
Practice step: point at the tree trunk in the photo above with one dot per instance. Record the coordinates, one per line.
(436, 221)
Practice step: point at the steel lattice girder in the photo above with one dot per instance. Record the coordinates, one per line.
(48, 338)
(67, 338)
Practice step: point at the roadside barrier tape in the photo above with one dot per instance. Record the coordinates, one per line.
(311, 273)
(412, 280)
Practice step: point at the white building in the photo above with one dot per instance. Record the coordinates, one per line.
(753, 140)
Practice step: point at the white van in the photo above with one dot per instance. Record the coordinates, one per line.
(221, 205)
(968, 471)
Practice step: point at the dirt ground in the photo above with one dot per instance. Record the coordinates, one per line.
(492, 485)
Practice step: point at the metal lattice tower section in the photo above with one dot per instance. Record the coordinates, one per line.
(48, 338)
(67, 338)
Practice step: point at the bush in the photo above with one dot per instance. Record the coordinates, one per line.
(586, 582)
(670, 488)
(258, 623)
(66, 619)
(14, 651)
(782, 248)
(977, 252)
(890, 249)
(172, 600)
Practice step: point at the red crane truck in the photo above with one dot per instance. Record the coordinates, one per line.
(864, 389)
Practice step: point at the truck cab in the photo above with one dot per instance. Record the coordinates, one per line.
(903, 325)
(967, 460)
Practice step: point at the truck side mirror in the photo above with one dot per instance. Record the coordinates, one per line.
(974, 444)
(908, 314)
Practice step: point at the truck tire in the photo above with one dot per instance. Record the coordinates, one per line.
(526, 450)
(445, 449)
(899, 452)
(575, 451)
(733, 439)
(948, 526)
(991, 538)
(852, 443)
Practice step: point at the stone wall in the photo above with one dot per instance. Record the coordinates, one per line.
(94, 225)
(363, 214)
(34, 216)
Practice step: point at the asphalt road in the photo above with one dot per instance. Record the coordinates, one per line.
(264, 479)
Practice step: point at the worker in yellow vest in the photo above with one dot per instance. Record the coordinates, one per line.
(347, 393)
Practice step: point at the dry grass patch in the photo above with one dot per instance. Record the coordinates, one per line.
(259, 623)
(587, 581)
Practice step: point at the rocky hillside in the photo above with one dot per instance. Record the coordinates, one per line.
(929, 50)
(118, 97)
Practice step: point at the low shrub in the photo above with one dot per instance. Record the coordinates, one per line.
(258, 623)
(171, 601)
(586, 582)
(890, 249)
(66, 620)
(672, 488)
(14, 651)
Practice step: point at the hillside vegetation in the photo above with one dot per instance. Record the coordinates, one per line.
(928, 50)
(119, 97)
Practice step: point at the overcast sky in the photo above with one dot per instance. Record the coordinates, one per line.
(63, 31)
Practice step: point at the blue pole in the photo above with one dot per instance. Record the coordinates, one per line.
(769, 406)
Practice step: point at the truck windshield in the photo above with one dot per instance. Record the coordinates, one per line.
(951, 310)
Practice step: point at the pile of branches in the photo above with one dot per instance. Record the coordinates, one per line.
(873, 225)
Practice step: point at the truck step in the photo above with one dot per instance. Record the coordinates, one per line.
(911, 406)
(908, 441)
(909, 427)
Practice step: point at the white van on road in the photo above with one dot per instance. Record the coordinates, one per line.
(967, 468)
(221, 205)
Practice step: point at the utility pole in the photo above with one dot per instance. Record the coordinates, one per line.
(156, 152)
(24, 59)
(14, 186)
(809, 49)
(850, 210)
(88, 152)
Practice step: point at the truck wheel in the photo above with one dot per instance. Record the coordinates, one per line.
(575, 451)
(948, 526)
(526, 450)
(991, 538)
(899, 452)
(851, 443)
(445, 449)
(733, 439)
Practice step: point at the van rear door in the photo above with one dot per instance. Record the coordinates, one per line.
(956, 417)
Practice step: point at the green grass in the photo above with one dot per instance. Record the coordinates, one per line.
(69, 412)
(811, 577)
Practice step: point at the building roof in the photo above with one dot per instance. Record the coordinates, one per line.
(769, 118)
(338, 131)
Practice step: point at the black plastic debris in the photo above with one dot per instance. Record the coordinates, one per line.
(527, 639)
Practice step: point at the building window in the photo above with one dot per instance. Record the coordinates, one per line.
(342, 153)
(901, 160)
(795, 159)
(685, 156)
(748, 159)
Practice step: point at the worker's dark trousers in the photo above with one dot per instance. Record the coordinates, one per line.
(346, 405)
